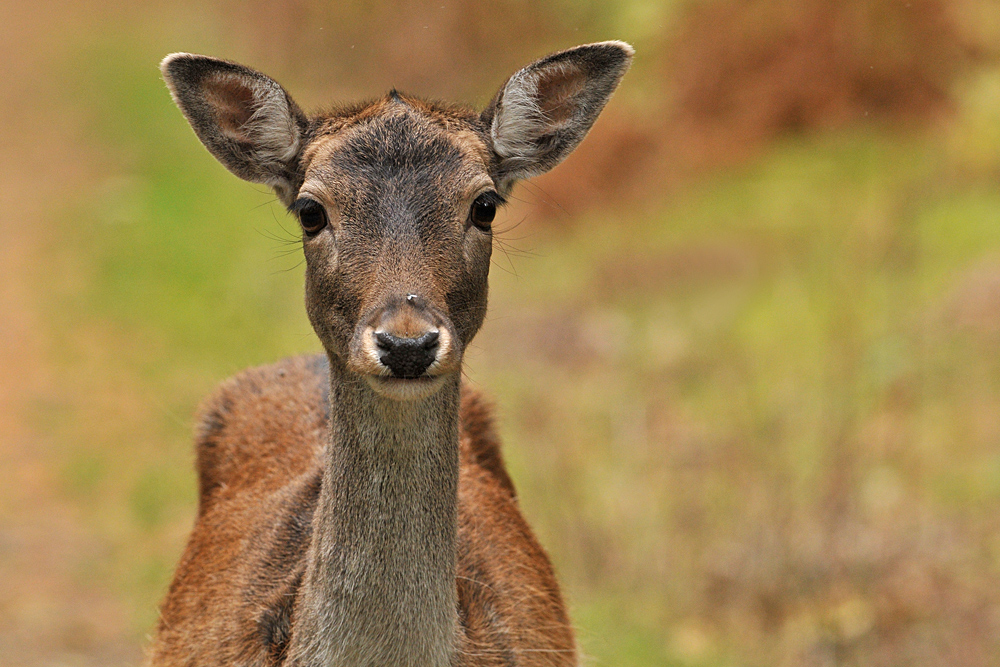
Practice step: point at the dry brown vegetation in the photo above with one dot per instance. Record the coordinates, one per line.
(749, 71)
(742, 73)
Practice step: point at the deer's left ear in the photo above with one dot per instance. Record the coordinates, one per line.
(244, 118)
(543, 112)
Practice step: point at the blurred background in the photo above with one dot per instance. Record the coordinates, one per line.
(743, 343)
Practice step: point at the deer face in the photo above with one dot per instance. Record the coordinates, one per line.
(395, 198)
(396, 210)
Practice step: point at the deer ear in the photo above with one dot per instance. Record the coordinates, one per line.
(544, 111)
(245, 119)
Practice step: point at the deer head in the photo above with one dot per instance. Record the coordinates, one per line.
(396, 197)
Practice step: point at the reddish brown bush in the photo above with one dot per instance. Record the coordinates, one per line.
(748, 70)
(744, 71)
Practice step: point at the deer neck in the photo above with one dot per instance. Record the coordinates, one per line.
(379, 587)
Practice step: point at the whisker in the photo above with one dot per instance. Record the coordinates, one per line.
(547, 199)
(266, 203)
(289, 269)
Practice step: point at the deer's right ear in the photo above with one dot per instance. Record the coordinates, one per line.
(245, 119)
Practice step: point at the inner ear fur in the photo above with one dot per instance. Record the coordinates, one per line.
(546, 109)
(244, 118)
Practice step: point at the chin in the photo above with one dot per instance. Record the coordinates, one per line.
(405, 389)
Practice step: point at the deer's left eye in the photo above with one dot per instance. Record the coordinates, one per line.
(483, 210)
(312, 216)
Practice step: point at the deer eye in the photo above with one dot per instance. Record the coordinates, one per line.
(312, 215)
(483, 210)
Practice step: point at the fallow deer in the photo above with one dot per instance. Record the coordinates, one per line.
(354, 509)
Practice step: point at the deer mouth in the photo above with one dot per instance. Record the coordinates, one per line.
(405, 388)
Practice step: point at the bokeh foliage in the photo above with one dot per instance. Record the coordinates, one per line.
(745, 362)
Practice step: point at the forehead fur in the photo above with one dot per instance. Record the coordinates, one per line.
(397, 132)
(447, 116)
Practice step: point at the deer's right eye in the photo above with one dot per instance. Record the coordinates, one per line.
(312, 215)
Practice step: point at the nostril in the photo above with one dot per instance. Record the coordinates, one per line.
(385, 341)
(429, 340)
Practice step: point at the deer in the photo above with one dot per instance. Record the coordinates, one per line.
(354, 509)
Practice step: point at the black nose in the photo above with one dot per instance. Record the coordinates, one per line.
(407, 357)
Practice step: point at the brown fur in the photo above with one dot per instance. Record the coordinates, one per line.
(260, 440)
